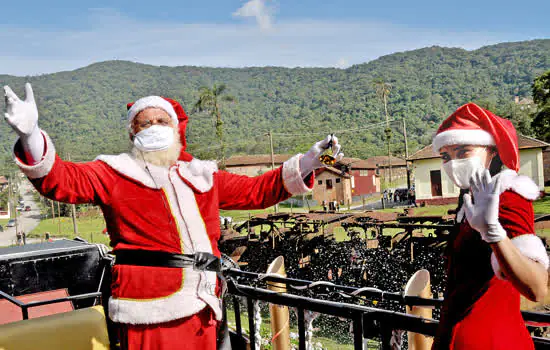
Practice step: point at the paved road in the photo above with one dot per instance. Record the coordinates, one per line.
(26, 220)
(378, 205)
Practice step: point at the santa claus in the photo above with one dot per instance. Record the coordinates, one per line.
(161, 208)
(495, 256)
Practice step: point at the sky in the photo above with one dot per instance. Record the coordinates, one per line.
(39, 37)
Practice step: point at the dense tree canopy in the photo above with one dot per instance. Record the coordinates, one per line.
(84, 110)
(541, 96)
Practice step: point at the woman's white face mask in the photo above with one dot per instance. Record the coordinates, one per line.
(460, 171)
(154, 138)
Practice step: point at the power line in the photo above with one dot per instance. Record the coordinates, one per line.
(370, 126)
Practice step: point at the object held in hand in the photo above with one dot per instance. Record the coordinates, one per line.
(328, 159)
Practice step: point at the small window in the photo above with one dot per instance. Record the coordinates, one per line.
(329, 184)
(319, 182)
(363, 172)
(338, 180)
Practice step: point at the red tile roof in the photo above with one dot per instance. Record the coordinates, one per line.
(256, 159)
(265, 159)
(382, 161)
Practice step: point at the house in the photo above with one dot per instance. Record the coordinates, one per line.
(3, 182)
(365, 178)
(332, 184)
(349, 178)
(546, 164)
(397, 168)
(254, 165)
(432, 185)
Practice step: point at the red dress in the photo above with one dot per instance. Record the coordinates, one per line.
(482, 311)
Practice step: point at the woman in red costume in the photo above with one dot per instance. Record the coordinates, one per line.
(495, 255)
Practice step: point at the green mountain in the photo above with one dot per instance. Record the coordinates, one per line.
(84, 110)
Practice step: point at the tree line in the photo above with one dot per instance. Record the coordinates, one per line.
(84, 110)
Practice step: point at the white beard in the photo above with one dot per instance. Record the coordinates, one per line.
(164, 158)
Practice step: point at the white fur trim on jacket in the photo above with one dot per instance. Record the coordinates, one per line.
(151, 102)
(292, 178)
(521, 184)
(530, 246)
(45, 165)
(130, 167)
(199, 173)
(181, 304)
(462, 137)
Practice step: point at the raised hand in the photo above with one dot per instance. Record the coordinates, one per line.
(483, 215)
(21, 115)
(310, 160)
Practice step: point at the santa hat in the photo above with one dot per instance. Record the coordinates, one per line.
(174, 110)
(473, 125)
(150, 102)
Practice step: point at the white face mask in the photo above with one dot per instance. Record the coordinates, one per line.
(154, 138)
(460, 171)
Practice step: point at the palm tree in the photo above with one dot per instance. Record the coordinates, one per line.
(383, 90)
(209, 101)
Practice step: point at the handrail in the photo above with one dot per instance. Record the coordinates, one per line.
(353, 291)
(367, 321)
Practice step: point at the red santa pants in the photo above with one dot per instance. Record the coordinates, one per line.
(194, 332)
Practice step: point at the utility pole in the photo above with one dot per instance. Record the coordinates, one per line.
(73, 207)
(270, 135)
(58, 220)
(383, 90)
(15, 202)
(407, 155)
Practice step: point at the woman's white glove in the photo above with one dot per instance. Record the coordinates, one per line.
(22, 116)
(310, 161)
(483, 215)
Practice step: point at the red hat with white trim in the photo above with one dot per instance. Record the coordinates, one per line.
(473, 125)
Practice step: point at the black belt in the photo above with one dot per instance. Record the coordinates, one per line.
(199, 261)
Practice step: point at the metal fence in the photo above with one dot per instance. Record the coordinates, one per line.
(368, 322)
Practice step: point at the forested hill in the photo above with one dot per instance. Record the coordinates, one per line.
(84, 110)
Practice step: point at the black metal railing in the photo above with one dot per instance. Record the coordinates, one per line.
(367, 322)
(26, 306)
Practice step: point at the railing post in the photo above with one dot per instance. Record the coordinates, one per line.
(385, 335)
(237, 309)
(301, 329)
(358, 332)
(251, 325)
(25, 312)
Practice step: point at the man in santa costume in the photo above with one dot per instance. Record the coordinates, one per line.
(161, 207)
(495, 256)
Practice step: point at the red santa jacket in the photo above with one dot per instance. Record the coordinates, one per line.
(173, 210)
(481, 308)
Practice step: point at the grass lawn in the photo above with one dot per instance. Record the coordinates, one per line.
(243, 215)
(542, 206)
(88, 228)
(431, 210)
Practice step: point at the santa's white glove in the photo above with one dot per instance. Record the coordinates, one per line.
(22, 116)
(483, 215)
(310, 161)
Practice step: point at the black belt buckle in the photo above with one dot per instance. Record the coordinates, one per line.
(206, 262)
